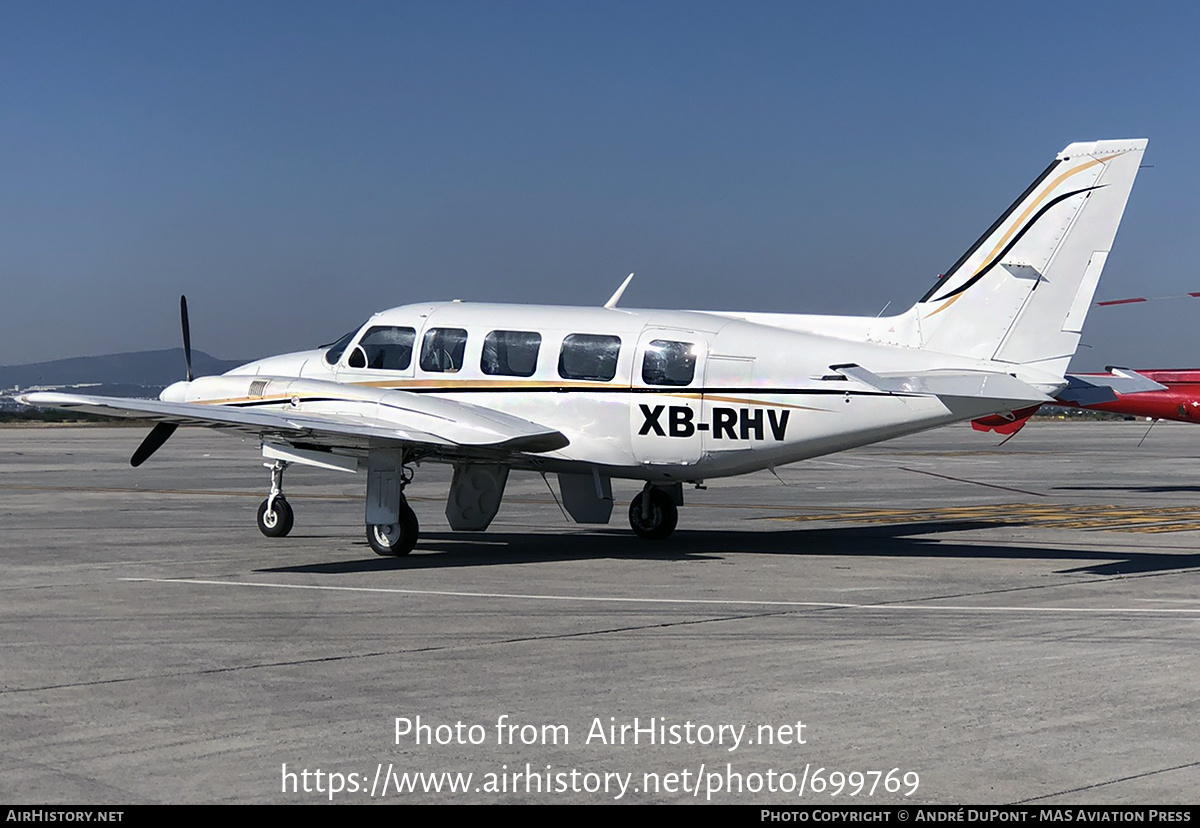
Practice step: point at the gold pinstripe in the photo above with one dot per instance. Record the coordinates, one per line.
(469, 384)
(1020, 222)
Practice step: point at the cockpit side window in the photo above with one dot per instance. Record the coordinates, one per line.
(443, 349)
(589, 357)
(510, 353)
(336, 348)
(388, 348)
(669, 363)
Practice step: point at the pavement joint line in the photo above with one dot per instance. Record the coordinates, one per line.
(1109, 782)
(409, 651)
(973, 482)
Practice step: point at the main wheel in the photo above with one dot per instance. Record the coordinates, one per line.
(277, 522)
(663, 515)
(394, 539)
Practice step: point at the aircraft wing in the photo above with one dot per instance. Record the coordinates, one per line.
(414, 421)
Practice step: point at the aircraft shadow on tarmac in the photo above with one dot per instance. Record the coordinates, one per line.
(894, 541)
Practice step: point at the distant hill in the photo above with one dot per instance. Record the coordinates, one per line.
(134, 374)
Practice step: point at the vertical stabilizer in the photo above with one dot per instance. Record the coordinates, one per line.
(1021, 292)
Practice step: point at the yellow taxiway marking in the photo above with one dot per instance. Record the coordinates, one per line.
(1102, 517)
(1108, 518)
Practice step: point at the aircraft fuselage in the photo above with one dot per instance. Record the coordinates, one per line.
(652, 395)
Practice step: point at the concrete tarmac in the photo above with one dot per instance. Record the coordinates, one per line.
(931, 620)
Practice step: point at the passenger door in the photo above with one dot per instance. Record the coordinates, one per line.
(665, 397)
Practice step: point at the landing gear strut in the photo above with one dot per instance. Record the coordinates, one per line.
(275, 515)
(653, 514)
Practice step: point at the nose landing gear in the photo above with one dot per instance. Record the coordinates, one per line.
(275, 515)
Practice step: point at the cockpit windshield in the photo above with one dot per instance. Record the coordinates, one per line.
(335, 348)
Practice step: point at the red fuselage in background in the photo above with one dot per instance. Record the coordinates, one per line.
(1180, 401)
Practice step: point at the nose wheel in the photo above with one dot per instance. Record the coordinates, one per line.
(395, 539)
(275, 519)
(275, 515)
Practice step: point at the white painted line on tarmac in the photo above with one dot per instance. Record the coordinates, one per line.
(516, 595)
(696, 601)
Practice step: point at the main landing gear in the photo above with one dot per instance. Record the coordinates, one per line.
(393, 529)
(397, 534)
(275, 515)
(653, 513)
(395, 539)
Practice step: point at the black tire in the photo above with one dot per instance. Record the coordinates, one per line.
(279, 521)
(664, 515)
(395, 539)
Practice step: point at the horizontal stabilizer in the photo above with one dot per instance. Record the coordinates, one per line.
(975, 385)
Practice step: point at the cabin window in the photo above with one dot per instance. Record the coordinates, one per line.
(510, 353)
(589, 357)
(669, 363)
(387, 349)
(442, 350)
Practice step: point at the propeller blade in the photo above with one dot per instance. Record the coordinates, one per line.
(154, 440)
(187, 347)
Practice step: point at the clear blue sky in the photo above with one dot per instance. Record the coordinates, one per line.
(295, 166)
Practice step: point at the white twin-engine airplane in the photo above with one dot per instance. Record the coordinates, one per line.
(665, 397)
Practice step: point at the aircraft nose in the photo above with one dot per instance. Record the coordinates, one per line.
(176, 392)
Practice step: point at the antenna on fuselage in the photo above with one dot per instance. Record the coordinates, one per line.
(616, 297)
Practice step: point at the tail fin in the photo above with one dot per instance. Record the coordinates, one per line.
(1021, 292)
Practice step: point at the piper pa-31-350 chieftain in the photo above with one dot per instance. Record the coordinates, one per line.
(664, 397)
